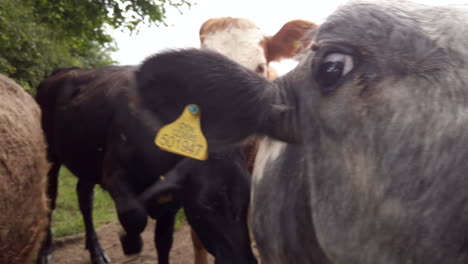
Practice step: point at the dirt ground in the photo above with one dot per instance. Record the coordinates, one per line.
(71, 250)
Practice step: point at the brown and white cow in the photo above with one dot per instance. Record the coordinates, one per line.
(242, 41)
(375, 119)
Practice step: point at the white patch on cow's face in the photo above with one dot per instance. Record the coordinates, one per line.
(268, 151)
(241, 45)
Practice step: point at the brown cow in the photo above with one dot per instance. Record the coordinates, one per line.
(23, 168)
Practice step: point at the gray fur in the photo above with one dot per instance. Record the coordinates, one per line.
(386, 153)
(280, 219)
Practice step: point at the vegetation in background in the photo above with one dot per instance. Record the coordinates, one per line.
(39, 36)
(67, 219)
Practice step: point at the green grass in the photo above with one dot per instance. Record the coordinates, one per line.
(180, 218)
(67, 219)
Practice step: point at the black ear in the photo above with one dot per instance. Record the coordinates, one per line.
(234, 101)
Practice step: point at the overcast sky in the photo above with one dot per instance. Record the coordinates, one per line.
(269, 15)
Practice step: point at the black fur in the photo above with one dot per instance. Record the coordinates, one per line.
(97, 127)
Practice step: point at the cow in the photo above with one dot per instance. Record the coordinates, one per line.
(23, 170)
(367, 133)
(215, 204)
(95, 125)
(242, 41)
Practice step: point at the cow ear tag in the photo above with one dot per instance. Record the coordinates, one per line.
(184, 136)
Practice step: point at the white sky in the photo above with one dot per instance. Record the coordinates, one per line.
(269, 15)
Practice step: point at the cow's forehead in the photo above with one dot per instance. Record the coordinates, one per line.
(379, 24)
(243, 45)
(399, 33)
(389, 24)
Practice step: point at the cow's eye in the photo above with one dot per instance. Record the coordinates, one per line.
(332, 69)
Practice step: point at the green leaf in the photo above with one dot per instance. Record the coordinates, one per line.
(38, 36)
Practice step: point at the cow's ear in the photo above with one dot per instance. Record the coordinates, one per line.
(290, 40)
(209, 26)
(234, 101)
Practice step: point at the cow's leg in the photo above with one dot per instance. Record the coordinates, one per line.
(52, 178)
(85, 190)
(163, 236)
(201, 255)
(131, 213)
(132, 217)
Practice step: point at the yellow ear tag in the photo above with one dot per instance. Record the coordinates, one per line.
(184, 136)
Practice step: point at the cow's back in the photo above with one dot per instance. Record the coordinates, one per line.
(78, 107)
(23, 168)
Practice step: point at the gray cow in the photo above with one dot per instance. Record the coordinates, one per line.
(374, 164)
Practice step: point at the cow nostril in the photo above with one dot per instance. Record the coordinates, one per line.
(261, 68)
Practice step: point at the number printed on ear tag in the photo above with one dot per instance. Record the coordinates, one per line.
(184, 136)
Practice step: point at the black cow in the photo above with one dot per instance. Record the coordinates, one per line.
(375, 120)
(215, 202)
(95, 125)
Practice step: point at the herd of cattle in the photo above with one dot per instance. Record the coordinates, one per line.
(357, 155)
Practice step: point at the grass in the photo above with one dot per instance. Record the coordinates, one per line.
(67, 219)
